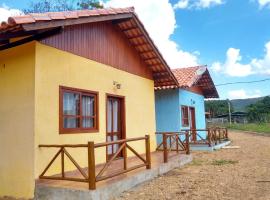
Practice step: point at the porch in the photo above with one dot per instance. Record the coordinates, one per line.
(104, 181)
(209, 139)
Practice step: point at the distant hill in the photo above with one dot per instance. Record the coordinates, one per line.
(241, 104)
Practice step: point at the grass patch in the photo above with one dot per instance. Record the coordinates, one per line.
(223, 162)
(260, 128)
(197, 162)
(253, 127)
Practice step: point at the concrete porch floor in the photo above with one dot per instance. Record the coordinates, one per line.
(205, 147)
(107, 189)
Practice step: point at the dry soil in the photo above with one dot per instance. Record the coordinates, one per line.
(242, 173)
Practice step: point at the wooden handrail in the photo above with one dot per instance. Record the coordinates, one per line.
(91, 177)
(85, 145)
(214, 135)
(175, 143)
(62, 145)
(195, 129)
(118, 142)
(173, 133)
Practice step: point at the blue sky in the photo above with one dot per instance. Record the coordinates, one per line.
(230, 36)
(240, 24)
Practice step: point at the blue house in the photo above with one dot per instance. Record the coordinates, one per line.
(183, 107)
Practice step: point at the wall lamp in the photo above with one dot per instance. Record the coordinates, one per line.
(117, 85)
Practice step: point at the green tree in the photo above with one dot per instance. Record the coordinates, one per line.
(260, 111)
(217, 107)
(61, 5)
(89, 4)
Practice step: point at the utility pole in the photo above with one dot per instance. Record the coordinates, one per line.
(230, 115)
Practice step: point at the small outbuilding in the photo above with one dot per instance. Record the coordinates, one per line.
(236, 117)
(180, 108)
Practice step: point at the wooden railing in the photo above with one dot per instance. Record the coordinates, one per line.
(89, 175)
(173, 141)
(196, 133)
(214, 135)
(221, 134)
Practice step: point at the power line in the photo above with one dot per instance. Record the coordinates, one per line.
(242, 82)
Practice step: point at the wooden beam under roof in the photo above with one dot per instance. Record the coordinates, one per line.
(31, 38)
(68, 22)
(165, 84)
(135, 37)
(160, 74)
(147, 51)
(9, 35)
(154, 47)
(166, 81)
(150, 59)
(156, 65)
(4, 42)
(129, 29)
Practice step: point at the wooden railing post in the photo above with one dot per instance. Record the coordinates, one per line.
(165, 151)
(91, 166)
(176, 143)
(125, 156)
(63, 162)
(215, 133)
(209, 137)
(148, 151)
(187, 143)
(219, 135)
(226, 130)
(170, 137)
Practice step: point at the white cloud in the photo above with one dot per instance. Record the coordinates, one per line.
(159, 20)
(181, 4)
(197, 4)
(233, 66)
(243, 94)
(264, 3)
(263, 65)
(6, 12)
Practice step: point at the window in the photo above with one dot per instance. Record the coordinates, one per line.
(185, 117)
(78, 110)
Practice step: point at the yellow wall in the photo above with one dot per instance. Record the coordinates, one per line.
(30, 76)
(17, 121)
(54, 68)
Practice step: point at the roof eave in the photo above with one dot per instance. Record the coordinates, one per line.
(155, 48)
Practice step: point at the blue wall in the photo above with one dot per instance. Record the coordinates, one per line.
(187, 98)
(168, 110)
(167, 114)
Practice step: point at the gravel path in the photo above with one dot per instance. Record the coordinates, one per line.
(242, 173)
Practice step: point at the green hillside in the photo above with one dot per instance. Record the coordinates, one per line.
(218, 107)
(241, 104)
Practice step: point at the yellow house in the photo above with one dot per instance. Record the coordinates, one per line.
(70, 78)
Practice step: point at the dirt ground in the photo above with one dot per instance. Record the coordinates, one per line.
(242, 173)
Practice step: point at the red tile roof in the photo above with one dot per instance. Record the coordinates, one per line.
(51, 16)
(186, 77)
(196, 76)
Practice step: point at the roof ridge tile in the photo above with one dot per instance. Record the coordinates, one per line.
(50, 16)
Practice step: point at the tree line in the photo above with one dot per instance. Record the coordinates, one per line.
(61, 5)
(218, 107)
(260, 111)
